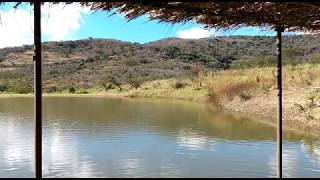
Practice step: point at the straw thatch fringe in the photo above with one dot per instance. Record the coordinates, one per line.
(290, 16)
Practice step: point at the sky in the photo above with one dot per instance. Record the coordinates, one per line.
(73, 22)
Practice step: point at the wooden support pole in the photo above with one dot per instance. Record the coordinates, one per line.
(279, 121)
(37, 90)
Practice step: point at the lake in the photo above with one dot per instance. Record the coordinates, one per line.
(108, 137)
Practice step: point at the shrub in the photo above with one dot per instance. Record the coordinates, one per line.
(186, 67)
(72, 90)
(82, 91)
(131, 62)
(144, 61)
(21, 87)
(178, 84)
(106, 85)
(311, 107)
(3, 87)
(135, 82)
(2, 57)
(109, 81)
(52, 89)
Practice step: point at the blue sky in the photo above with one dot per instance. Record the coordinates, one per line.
(72, 22)
(141, 30)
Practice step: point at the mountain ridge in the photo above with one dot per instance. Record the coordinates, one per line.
(83, 63)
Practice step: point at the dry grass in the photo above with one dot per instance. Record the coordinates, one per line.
(242, 83)
(223, 86)
(246, 83)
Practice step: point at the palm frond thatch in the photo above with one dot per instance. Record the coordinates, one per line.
(290, 16)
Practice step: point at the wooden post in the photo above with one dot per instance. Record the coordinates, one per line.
(279, 121)
(37, 90)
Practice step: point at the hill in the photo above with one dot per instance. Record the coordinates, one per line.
(87, 63)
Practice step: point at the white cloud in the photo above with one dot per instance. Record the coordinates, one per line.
(196, 33)
(59, 22)
(15, 28)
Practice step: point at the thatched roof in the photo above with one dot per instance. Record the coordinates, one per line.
(291, 16)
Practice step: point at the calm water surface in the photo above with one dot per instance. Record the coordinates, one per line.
(101, 137)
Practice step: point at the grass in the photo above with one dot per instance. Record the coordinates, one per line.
(221, 86)
(251, 91)
(225, 84)
(232, 83)
(170, 88)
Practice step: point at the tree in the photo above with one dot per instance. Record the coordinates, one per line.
(72, 90)
(109, 81)
(105, 84)
(293, 56)
(196, 77)
(135, 82)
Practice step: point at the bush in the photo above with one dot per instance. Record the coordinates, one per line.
(3, 87)
(144, 61)
(2, 57)
(311, 107)
(52, 89)
(187, 67)
(82, 91)
(135, 82)
(131, 62)
(72, 90)
(179, 84)
(106, 85)
(21, 88)
(109, 81)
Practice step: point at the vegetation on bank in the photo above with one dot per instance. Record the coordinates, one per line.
(221, 84)
(229, 72)
(70, 65)
(240, 79)
(252, 91)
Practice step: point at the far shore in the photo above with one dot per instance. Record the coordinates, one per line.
(65, 95)
(251, 92)
(256, 112)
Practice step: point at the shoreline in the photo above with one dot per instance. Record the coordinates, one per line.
(230, 107)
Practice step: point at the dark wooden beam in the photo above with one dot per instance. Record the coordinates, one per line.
(37, 90)
(279, 121)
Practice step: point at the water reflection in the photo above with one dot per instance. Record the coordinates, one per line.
(194, 141)
(16, 150)
(62, 157)
(312, 150)
(99, 137)
(290, 158)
